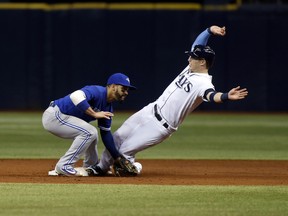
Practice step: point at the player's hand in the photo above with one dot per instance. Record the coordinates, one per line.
(98, 115)
(216, 30)
(103, 114)
(237, 93)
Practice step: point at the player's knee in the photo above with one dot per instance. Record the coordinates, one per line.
(89, 134)
(92, 134)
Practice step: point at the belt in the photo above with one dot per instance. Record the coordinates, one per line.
(158, 116)
(52, 104)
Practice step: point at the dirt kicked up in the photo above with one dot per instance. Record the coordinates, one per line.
(158, 172)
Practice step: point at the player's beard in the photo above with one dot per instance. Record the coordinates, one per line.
(120, 97)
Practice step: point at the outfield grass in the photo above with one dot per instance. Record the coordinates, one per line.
(51, 199)
(201, 136)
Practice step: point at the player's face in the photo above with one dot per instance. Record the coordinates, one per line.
(121, 92)
(195, 64)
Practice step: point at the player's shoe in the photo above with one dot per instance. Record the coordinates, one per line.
(95, 171)
(68, 171)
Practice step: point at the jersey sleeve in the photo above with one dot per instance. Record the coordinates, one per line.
(204, 87)
(202, 39)
(90, 93)
(104, 124)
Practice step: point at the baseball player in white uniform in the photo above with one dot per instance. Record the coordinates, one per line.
(159, 119)
(68, 117)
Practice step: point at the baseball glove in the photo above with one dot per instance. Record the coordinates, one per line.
(124, 168)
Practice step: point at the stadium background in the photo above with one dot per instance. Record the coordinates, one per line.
(49, 49)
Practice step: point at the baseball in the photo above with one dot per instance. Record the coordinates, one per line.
(138, 167)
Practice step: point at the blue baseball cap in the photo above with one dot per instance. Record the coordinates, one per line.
(120, 79)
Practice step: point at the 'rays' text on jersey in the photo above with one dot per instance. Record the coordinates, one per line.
(184, 83)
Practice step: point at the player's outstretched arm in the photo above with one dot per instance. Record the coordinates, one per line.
(218, 97)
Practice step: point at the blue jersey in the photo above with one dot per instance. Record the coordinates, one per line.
(96, 96)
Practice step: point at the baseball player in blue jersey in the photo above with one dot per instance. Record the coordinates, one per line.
(69, 117)
(159, 119)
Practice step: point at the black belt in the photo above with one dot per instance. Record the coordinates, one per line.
(52, 104)
(158, 116)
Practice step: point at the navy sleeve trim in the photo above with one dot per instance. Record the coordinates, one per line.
(209, 31)
(207, 92)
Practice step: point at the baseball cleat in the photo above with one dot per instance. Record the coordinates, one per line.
(95, 171)
(79, 171)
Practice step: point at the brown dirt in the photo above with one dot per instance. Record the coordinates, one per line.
(159, 172)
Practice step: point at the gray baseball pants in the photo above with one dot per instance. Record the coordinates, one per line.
(84, 135)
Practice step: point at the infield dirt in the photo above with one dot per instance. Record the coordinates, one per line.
(158, 172)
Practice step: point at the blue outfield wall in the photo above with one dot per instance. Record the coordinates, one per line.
(46, 54)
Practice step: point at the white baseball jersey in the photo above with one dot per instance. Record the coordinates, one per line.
(183, 95)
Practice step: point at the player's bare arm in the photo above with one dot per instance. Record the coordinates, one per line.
(234, 94)
(99, 115)
(78, 97)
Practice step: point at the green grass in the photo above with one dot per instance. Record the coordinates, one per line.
(228, 137)
(201, 136)
(51, 199)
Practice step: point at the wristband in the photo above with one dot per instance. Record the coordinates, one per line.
(211, 97)
(209, 31)
(224, 97)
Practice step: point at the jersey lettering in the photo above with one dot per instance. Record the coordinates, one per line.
(184, 83)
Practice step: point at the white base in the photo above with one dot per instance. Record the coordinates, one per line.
(52, 173)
